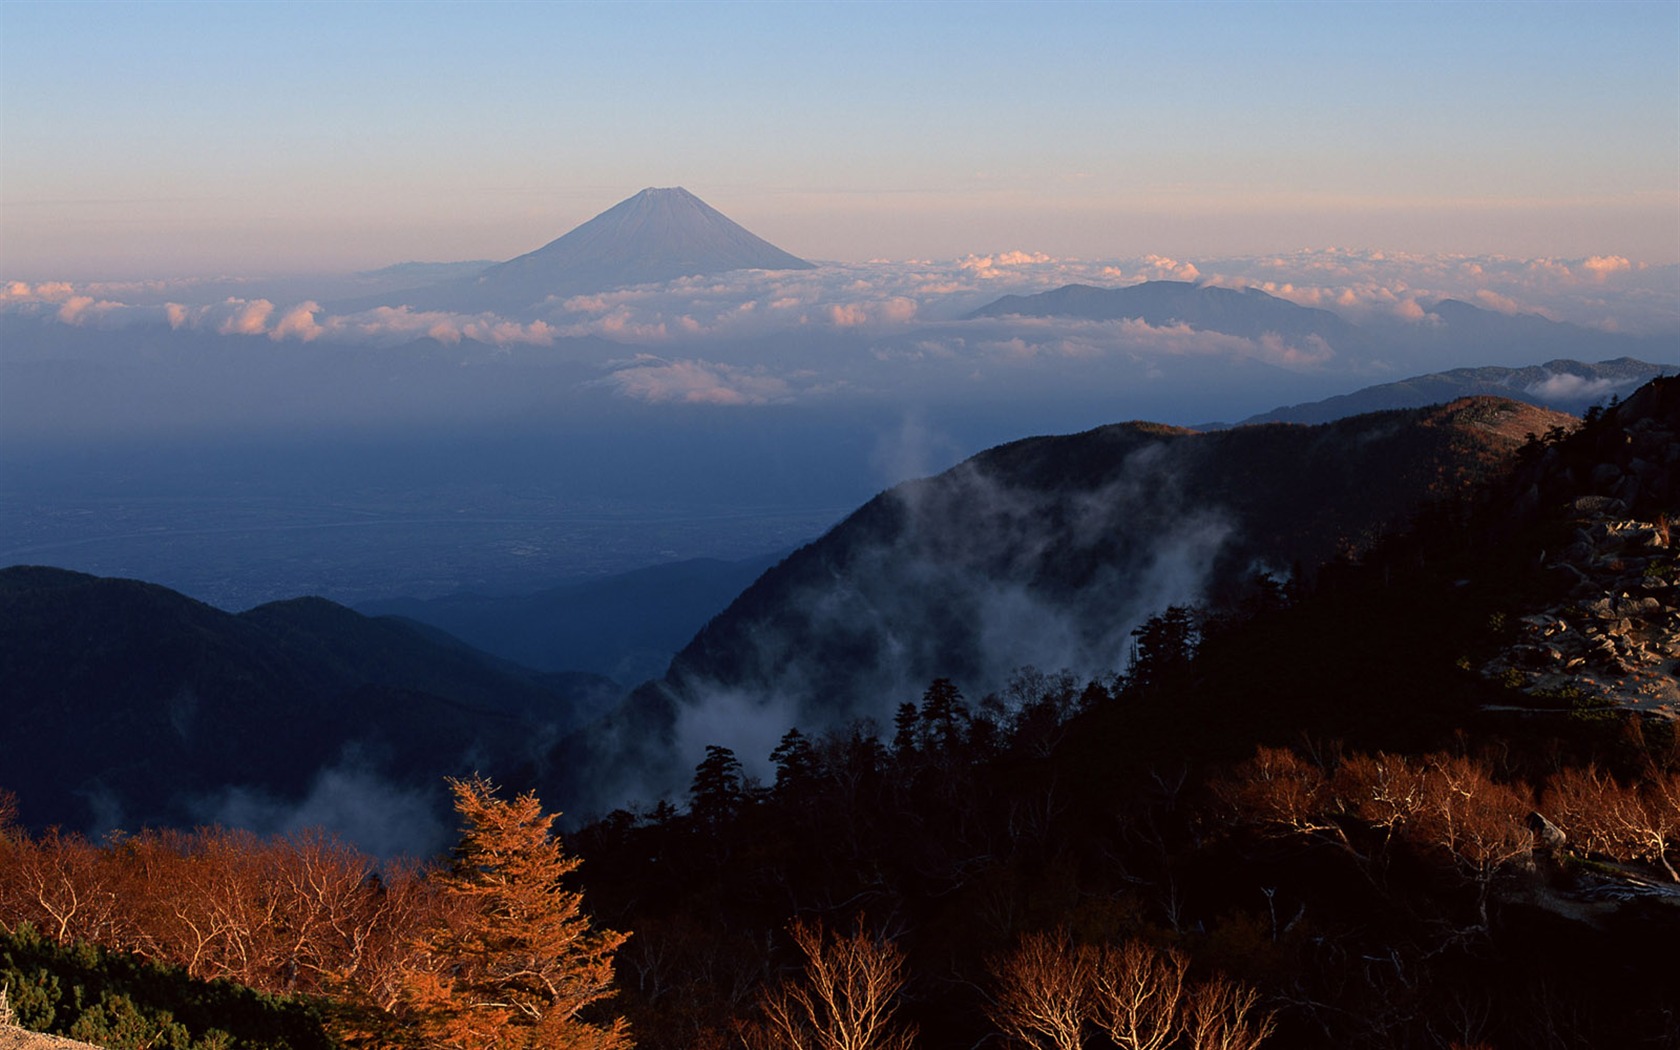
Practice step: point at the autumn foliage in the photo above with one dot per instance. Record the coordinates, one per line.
(1451, 808)
(491, 952)
(297, 914)
(1052, 994)
(508, 959)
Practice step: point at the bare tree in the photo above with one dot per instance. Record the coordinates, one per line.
(1137, 995)
(1226, 1015)
(845, 1001)
(1603, 816)
(1044, 992)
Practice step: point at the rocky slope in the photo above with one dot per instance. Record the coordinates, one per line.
(1611, 636)
(13, 1038)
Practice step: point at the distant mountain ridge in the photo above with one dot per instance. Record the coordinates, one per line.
(659, 234)
(1451, 330)
(1564, 385)
(1247, 312)
(626, 626)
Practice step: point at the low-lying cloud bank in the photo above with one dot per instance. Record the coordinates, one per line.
(768, 337)
(1599, 291)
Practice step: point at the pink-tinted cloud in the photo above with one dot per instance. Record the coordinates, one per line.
(994, 267)
(897, 310)
(46, 292)
(1602, 266)
(1494, 301)
(85, 309)
(1163, 269)
(250, 317)
(298, 323)
(1412, 310)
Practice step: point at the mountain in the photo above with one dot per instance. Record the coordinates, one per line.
(1450, 331)
(657, 235)
(129, 703)
(1564, 385)
(625, 626)
(1049, 552)
(1318, 780)
(1248, 312)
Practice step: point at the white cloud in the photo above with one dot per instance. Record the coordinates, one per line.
(696, 382)
(729, 339)
(1573, 388)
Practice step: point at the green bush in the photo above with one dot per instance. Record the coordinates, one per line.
(119, 1002)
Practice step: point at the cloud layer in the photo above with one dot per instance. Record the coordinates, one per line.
(770, 337)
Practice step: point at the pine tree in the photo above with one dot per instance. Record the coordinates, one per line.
(1166, 643)
(944, 714)
(796, 764)
(719, 786)
(905, 724)
(512, 961)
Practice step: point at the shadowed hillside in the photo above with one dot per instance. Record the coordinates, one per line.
(127, 703)
(1047, 552)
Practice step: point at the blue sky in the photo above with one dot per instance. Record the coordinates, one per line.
(166, 139)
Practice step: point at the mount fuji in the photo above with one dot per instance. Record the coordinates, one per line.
(657, 235)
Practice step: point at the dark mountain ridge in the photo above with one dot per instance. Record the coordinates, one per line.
(129, 703)
(1401, 844)
(1048, 552)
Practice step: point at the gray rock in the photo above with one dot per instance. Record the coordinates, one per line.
(1546, 833)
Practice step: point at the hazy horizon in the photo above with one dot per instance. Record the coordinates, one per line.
(200, 204)
(174, 140)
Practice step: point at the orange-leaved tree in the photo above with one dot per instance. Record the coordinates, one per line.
(512, 961)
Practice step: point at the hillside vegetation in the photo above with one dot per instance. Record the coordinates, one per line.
(1300, 815)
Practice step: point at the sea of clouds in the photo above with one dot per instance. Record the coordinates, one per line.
(768, 337)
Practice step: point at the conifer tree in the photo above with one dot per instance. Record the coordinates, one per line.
(719, 786)
(944, 714)
(513, 961)
(796, 763)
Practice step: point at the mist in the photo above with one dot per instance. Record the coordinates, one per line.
(376, 816)
(244, 442)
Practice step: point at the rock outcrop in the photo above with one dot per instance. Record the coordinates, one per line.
(13, 1038)
(1613, 637)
